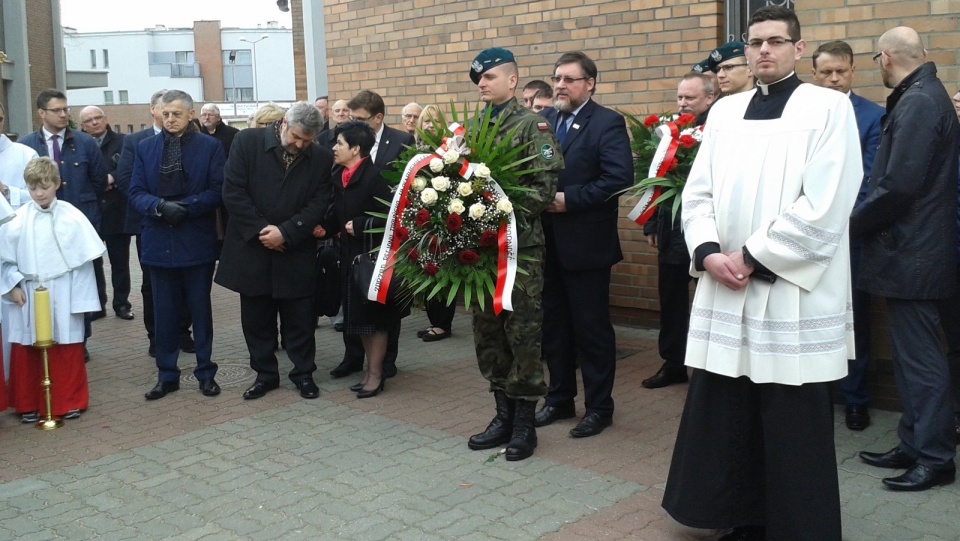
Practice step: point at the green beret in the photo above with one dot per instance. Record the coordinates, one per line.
(725, 52)
(488, 58)
(702, 67)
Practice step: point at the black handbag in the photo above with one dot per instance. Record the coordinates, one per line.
(362, 267)
(326, 296)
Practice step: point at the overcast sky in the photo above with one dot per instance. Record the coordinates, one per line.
(111, 15)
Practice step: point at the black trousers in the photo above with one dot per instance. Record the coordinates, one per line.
(673, 286)
(576, 327)
(146, 291)
(118, 251)
(353, 347)
(439, 314)
(258, 317)
(101, 279)
(756, 454)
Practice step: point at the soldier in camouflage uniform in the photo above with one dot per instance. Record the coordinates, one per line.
(508, 345)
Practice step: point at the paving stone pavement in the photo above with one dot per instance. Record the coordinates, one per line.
(394, 467)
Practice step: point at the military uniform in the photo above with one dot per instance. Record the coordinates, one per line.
(508, 345)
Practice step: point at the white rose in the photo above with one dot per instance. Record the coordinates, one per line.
(504, 205)
(428, 196)
(456, 206)
(482, 171)
(477, 210)
(451, 156)
(464, 189)
(441, 184)
(436, 165)
(419, 183)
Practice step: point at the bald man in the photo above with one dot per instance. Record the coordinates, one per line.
(93, 122)
(908, 225)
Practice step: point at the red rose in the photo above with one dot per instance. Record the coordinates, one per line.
(434, 246)
(423, 217)
(488, 238)
(468, 257)
(685, 119)
(651, 121)
(673, 163)
(413, 255)
(454, 222)
(401, 234)
(687, 141)
(488, 196)
(431, 269)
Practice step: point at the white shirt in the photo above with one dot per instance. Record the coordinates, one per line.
(48, 137)
(376, 144)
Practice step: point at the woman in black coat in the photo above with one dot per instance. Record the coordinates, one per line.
(356, 189)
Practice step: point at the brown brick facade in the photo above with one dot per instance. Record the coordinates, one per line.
(39, 40)
(209, 54)
(420, 50)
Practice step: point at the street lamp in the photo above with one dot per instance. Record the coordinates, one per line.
(254, 42)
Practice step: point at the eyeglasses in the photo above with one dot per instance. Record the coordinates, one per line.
(568, 80)
(409, 116)
(92, 119)
(728, 68)
(58, 110)
(773, 42)
(877, 56)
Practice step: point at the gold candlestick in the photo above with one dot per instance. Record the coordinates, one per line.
(43, 325)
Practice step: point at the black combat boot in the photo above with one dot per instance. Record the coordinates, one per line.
(524, 438)
(499, 430)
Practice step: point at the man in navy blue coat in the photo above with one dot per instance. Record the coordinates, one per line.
(176, 186)
(833, 68)
(582, 246)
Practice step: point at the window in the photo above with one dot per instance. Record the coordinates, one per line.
(238, 94)
(173, 64)
(106, 59)
(129, 128)
(93, 58)
(738, 14)
(108, 97)
(238, 75)
(124, 100)
(143, 127)
(116, 128)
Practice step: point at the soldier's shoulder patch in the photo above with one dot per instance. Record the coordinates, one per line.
(543, 126)
(547, 152)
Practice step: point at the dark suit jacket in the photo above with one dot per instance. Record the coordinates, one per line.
(122, 174)
(258, 192)
(224, 133)
(598, 164)
(392, 144)
(113, 201)
(868, 124)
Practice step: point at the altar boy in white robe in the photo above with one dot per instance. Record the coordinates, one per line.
(48, 243)
(765, 213)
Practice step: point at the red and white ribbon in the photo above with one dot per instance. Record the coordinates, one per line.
(662, 158)
(506, 259)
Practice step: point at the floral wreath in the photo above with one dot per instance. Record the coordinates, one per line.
(664, 147)
(451, 227)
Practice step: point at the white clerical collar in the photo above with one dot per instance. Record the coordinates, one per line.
(765, 89)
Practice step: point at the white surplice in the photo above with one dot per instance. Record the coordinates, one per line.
(784, 188)
(53, 247)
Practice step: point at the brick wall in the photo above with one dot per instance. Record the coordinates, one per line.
(209, 54)
(39, 38)
(299, 53)
(420, 50)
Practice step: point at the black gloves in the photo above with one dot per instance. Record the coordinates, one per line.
(172, 212)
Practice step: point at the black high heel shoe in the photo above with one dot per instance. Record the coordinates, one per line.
(370, 394)
(357, 387)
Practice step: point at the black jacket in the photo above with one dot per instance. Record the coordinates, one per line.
(908, 220)
(113, 201)
(258, 192)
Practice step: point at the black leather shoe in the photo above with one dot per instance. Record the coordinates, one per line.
(338, 327)
(667, 375)
(920, 477)
(390, 369)
(548, 414)
(591, 425)
(161, 390)
(98, 315)
(346, 368)
(745, 533)
(187, 345)
(858, 418)
(209, 387)
(125, 313)
(260, 388)
(308, 389)
(894, 458)
(357, 387)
